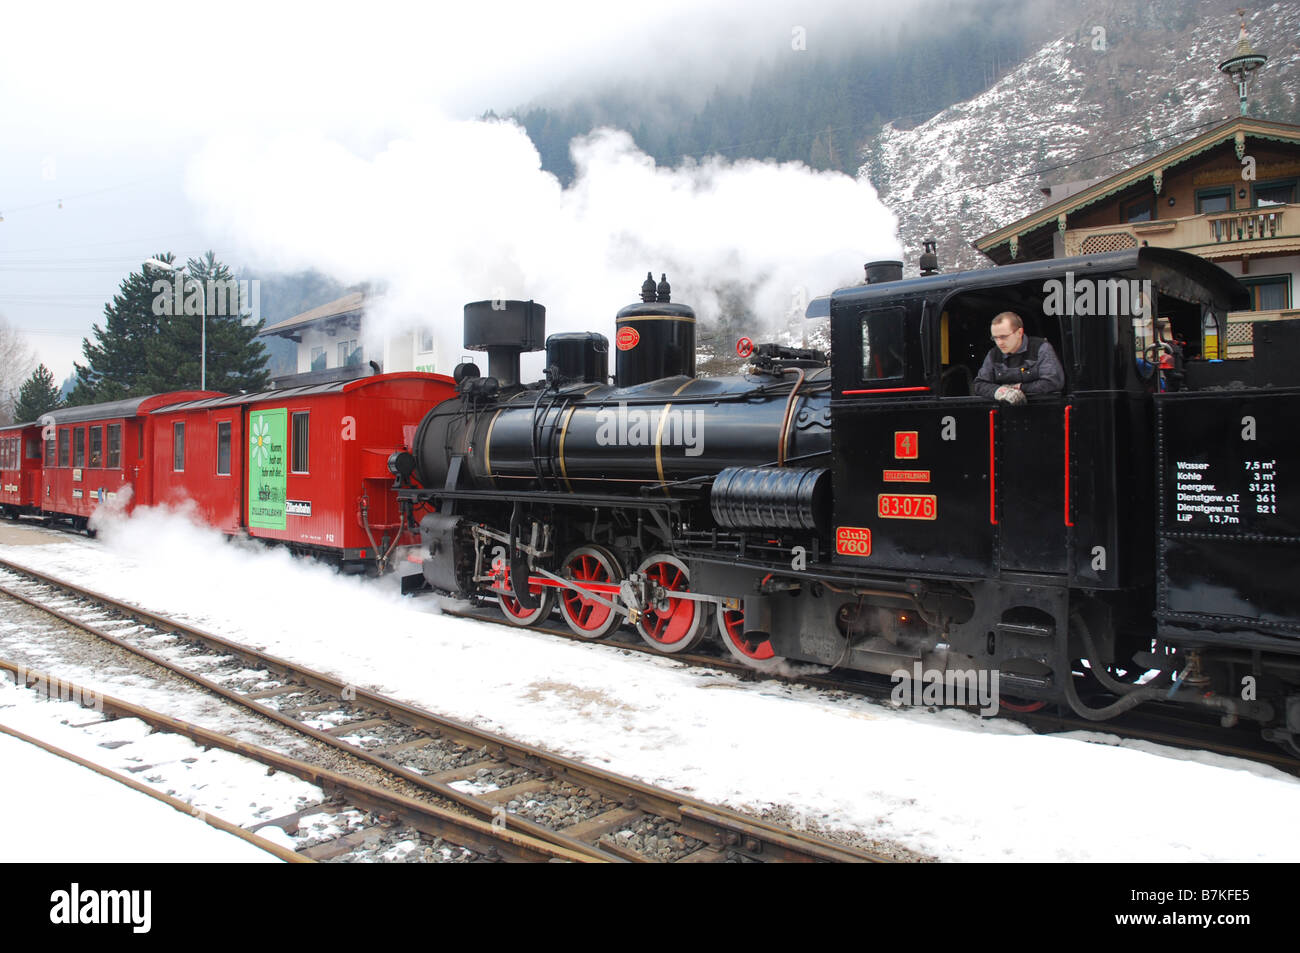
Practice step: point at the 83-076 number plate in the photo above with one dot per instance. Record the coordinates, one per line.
(907, 506)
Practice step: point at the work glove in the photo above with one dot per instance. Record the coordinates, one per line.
(1009, 395)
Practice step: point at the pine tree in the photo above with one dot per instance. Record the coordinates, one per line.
(38, 395)
(116, 364)
(236, 359)
(151, 340)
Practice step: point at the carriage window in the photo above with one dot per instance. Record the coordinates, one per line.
(49, 452)
(114, 446)
(178, 447)
(96, 446)
(64, 439)
(34, 448)
(223, 449)
(298, 462)
(79, 447)
(882, 346)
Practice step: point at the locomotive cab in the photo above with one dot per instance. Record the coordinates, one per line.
(1032, 506)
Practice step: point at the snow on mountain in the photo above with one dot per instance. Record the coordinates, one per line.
(1120, 84)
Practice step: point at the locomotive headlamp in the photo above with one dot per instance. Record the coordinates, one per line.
(401, 465)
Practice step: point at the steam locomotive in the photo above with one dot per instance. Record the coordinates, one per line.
(1132, 538)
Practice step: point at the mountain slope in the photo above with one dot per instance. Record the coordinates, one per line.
(1074, 110)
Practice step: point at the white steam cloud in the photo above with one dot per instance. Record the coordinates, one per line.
(457, 211)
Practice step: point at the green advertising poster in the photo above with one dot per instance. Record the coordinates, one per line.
(267, 468)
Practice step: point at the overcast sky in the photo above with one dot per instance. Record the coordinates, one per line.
(276, 134)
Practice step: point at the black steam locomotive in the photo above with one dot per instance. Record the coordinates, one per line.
(1134, 537)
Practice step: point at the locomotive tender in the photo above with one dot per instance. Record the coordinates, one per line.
(1132, 538)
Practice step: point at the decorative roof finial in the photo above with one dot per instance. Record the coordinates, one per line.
(1242, 63)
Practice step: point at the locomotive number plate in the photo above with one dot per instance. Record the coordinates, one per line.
(905, 444)
(903, 506)
(853, 540)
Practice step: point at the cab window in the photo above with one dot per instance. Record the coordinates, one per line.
(882, 346)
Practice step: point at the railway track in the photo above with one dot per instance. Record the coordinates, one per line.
(586, 811)
(356, 812)
(1167, 725)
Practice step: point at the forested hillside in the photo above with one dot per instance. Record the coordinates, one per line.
(819, 106)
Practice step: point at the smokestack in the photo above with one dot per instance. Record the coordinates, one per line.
(504, 329)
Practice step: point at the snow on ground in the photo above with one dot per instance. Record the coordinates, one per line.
(945, 784)
(59, 811)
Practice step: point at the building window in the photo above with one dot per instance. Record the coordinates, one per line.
(318, 359)
(298, 460)
(426, 341)
(1269, 294)
(79, 447)
(1139, 210)
(96, 447)
(64, 439)
(178, 447)
(1213, 200)
(223, 449)
(114, 446)
(349, 354)
(1273, 193)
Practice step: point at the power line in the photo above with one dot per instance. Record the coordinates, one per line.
(75, 195)
(115, 241)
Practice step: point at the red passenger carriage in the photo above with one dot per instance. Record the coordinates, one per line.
(306, 466)
(20, 469)
(99, 455)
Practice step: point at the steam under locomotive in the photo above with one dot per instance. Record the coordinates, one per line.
(1133, 538)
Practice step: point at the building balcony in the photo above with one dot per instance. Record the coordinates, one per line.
(1240, 330)
(1270, 230)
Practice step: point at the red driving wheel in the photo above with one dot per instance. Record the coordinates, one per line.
(754, 649)
(676, 625)
(514, 611)
(588, 618)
